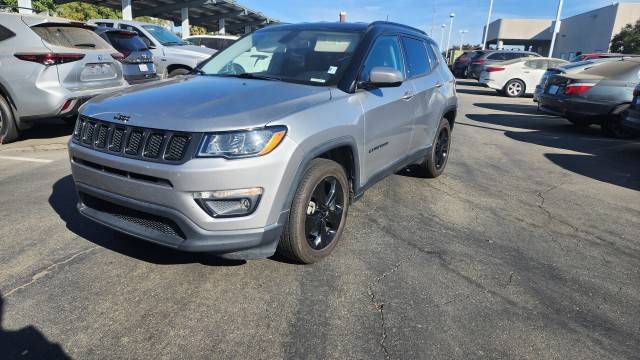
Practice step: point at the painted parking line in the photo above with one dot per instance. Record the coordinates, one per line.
(17, 158)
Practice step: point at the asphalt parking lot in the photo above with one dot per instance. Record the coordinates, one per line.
(527, 248)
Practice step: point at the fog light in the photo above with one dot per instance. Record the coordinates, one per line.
(229, 203)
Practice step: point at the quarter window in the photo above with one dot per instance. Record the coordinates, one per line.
(433, 58)
(384, 53)
(416, 54)
(5, 33)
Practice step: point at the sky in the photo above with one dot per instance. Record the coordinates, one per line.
(471, 15)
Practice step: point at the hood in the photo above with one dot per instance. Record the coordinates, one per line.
(205, 103)
(189, 50)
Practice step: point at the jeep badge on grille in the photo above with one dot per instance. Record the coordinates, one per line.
(122, 117)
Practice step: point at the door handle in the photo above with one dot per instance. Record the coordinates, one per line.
(408, 95)
(439, 85)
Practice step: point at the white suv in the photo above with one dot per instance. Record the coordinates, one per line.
(49, 66)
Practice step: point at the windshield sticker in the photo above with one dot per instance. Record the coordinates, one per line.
(318, 80)
(332, 70)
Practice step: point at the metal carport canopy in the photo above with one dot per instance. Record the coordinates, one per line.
(225, 16)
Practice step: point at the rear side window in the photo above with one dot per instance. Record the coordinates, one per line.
(433, 58)
(497, 56)
(386, 53)
(70, 37)
(212, 43)
(416, 55)
(126, 43)
(109, 25)
(5, 33)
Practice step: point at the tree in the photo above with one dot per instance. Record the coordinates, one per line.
(75, 10)
(628, 40)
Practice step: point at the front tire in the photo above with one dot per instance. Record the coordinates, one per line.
(8, 129)
(318, 213)
(514, 88)
(436, 161)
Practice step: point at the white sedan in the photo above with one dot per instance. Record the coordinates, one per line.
(515, 78)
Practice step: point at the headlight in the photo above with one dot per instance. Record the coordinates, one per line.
(239, 144)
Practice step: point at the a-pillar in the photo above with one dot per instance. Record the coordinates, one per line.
(186, 30)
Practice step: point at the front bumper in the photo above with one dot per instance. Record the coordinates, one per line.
(117, 192)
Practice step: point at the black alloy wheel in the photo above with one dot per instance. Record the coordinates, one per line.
(442, 148)
(324, 213)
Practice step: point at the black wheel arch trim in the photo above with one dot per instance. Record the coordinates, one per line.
(316, 152)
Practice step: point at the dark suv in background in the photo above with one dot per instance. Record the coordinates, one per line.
(136, 59)
(485, 58)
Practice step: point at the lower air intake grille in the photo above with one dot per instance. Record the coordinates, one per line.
(148, 221)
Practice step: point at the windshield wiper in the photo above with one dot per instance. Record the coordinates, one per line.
(170, 43)
(254, 76)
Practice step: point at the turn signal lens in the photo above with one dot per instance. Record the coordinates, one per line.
(275, 140)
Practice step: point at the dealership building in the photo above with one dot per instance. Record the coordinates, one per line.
(588, 32)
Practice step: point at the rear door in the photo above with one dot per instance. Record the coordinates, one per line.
(90, 64)
(532, 71)
(388, 112)
(422, 75)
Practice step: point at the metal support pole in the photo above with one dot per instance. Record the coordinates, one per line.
(486, 29)
(451, 16)
(462, 32)
(247, 29)
(556, 28)
(221, 28)
(186, 29)
(127, 14)
(24, 7)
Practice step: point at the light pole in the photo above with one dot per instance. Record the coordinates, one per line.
(486, 29)
(444, 26)
(451, 16)
(433, 17)
(462, 32)
(556, 28)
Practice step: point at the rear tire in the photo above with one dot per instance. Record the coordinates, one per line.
(514, 88)
(179, 71)
(316, 219)
(612, 126)
(436, 161)
(8, 129)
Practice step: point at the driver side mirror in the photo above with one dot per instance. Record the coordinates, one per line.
(381, 77)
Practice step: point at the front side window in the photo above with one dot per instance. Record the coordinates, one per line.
(312, 57)
(385, 52)
(70, 37)
(537, 64)
(416, 55)
(497, 56)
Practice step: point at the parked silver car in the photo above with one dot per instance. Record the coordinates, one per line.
(171, 55)
(49, 66)
(244, 157)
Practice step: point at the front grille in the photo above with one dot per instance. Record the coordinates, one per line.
(149, 221)
(134, 142)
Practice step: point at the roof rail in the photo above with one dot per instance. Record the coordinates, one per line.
(380, 22)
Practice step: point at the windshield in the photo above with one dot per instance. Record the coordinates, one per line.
(312, 57)
(164, 36)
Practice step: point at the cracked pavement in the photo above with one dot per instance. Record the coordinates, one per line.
(527, 248)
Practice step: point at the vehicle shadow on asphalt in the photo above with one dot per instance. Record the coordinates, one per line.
(51, 128)
(27, 343)
(601, 158)
(63, 200)
(512, 108)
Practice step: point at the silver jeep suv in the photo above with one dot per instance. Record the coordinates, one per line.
(48, 67)
(264, 147)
